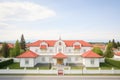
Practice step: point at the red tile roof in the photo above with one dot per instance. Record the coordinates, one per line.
(101, 46)
(118, 54)
(59, 55)
(90, 54)
(28, 54)
(10, 45)
(68, 43)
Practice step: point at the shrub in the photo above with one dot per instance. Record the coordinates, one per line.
(6, 63)
(113, 62)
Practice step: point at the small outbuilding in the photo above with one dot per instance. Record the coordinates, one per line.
(91, 59)
(28, 59)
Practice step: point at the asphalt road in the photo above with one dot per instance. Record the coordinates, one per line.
(59, 77)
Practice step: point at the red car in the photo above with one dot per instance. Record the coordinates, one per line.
(60, 72)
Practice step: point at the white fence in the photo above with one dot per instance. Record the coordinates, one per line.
(92, 72)
(37, 71)
(22, 71)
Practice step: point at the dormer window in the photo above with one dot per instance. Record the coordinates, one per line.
(59, 50)
(43, 47)
(76, 46)
(59, 43)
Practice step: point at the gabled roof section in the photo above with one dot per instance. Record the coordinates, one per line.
(10, 45)
(49, 42)
(28, 54)
(60, 56)
(68, 43)
(91, 54)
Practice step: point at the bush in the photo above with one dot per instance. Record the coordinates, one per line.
(6, 63)
(112, 62)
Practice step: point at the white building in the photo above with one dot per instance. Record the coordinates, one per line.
(59, 52)
(117, 55)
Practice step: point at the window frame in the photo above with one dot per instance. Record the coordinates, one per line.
(92, 61)
(26, 61)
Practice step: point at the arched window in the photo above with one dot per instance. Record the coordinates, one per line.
(60, 43)
(59, 50)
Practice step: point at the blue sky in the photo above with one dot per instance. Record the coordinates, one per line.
(90, 20)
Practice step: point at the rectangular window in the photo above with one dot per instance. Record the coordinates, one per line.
(77, 58)
(69, 59)
(84, 50)
(26, 61)
(43, 58)
(92, 61)
(59, 49)
(69, 50)
(36, 50)
(51, 50)
(50, 59)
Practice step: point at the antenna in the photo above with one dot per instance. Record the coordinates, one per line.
(59, 37)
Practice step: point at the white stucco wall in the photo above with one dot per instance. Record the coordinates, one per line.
(54, 50)
(102, 60)
(87, 62)
(31, 62)
(116, 57)
(47, 56)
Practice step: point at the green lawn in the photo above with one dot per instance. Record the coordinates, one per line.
(92, 68)
(76, 67)
(103, 66)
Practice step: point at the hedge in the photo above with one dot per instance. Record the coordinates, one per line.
(6, 63)
(113, 62)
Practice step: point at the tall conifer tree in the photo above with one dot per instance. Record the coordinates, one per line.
(23, 43)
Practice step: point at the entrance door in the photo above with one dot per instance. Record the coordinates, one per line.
(59, 61)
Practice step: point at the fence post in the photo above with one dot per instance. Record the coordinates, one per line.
(37, 68)
(99, 70)
(84, 70)
(7, 68)
(112, 70)
(24, 68)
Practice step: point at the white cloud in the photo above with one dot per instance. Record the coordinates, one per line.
(23, 11)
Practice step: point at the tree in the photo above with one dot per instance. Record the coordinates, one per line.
(109, 41)
(109, 52)
(12, 52)
(114, 45)
(5, 50)
(17, 48)
(98, 51)
(23, 43)
(118, 44)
